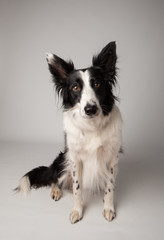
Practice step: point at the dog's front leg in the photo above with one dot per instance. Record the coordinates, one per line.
(109, 210)
(77, 211)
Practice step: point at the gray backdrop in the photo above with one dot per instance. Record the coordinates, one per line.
(30, 113)
(29, 110)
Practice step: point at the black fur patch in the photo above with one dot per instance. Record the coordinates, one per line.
(104, 92)
(45, 176)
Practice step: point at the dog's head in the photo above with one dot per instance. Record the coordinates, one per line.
(89, 90)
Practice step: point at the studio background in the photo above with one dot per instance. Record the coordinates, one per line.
(31, 116)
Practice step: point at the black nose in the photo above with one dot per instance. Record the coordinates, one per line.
(90, 110)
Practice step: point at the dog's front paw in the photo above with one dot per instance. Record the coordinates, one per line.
(75, 216)
(109, 214)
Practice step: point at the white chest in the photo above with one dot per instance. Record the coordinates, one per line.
(92, 143)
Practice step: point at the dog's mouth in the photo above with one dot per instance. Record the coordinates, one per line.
(90, 117)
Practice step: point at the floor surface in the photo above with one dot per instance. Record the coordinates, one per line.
(139, 200)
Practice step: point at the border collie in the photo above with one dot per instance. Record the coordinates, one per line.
(92, 126)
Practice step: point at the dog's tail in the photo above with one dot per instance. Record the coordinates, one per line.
(44, 176)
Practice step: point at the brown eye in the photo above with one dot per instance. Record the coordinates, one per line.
(96, 84)
(76, 88)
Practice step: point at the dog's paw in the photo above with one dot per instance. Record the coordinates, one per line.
(56, 193)
(109, 214)
(75, 216)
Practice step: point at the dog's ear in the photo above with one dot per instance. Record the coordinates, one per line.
(59, 69)
(106, 60)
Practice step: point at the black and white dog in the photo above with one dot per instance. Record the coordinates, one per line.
(92, 125)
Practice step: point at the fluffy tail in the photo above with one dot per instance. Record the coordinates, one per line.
(43, 176)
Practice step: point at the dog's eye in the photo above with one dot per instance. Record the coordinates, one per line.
(76, 88)
(96, 84)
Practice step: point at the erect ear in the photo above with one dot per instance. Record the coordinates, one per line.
(59, 69)
(106, 59)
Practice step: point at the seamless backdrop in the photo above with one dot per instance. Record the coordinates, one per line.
(30, 111)
(77, 30)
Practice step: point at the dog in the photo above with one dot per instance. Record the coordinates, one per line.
(93, 133)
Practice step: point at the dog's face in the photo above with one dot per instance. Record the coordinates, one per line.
(88, 90)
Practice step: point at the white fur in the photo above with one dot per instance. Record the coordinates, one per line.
(88, 96)
(50, 58)
(95, 142)
(24, 186)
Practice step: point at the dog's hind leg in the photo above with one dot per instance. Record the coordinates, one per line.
(56, 192)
